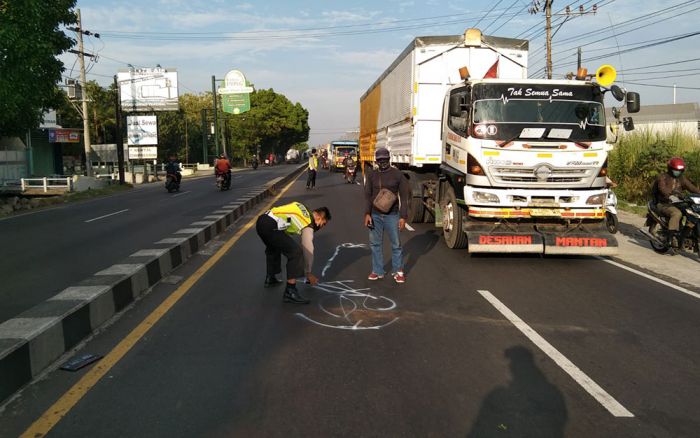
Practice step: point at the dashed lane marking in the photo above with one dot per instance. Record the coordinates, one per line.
(591, 387)
(107, 215)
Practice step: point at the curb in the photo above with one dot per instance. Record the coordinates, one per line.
(32, 341)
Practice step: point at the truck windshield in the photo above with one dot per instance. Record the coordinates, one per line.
(573, 113)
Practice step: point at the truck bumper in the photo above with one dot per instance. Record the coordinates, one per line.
(529, 238)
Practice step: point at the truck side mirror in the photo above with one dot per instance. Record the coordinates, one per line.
(455, 107)
(633, 104)
(618, 93)
(628, 123)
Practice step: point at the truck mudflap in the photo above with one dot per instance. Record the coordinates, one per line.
(589, 239)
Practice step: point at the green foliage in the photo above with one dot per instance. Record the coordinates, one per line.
(30, 40)
(639, 157)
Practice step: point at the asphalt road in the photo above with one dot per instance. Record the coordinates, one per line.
(579, 348)
(46, 251)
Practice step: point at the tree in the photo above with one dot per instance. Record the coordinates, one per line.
(30, 40)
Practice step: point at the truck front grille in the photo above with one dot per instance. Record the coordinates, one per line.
(528, 175)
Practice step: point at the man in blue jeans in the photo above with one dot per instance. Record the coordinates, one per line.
(389, 222)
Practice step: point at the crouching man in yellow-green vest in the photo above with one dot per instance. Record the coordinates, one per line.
(275, 227)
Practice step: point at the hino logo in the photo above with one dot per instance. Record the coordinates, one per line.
(543, 173)
(583, 123)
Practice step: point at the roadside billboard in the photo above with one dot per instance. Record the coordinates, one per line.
(64, 136)
(148, 89)
(143, 152)
(142, 130)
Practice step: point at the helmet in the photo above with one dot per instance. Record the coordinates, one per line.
(676, 163)
(382, 154)
(222, 156)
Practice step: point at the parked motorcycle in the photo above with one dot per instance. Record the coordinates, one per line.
(223, 181)
(171, 183)
(611, 221)
(689, 235)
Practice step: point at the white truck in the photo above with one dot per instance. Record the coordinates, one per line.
(501, 162)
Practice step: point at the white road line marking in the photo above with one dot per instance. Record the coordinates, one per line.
(651, 277)
(410, 228)
(598, 393)
(180, 194)
(107, 215)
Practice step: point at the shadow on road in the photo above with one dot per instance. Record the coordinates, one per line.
(417, 246)
(530, 406)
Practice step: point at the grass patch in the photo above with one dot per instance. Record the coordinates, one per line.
(628, 207)
(95, 193)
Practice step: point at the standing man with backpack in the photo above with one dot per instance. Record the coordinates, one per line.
(387, 194)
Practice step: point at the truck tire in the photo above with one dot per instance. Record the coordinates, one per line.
(452, 221)
(416, 209)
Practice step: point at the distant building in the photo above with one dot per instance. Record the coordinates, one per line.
(665, 119)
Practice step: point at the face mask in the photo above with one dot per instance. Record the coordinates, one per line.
(383, 165)
(676, 173)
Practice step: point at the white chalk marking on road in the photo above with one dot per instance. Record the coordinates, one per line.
(598, 393)
(358, 183)
(337, 251)
(182, 193)
(651, 277)
(107, 215)
(410, 228)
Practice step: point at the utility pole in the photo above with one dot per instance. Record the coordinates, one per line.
(216, 115)
(83, 82)
(536, 7)
(119, 139)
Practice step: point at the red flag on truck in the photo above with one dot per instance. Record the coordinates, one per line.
(492, 73)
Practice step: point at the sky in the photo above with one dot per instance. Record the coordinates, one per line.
(325, 54)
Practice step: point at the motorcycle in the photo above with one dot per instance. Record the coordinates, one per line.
(223, 181)
(350, 173)
(611, 221)
(689, 235)
(254, 163)
(171, 184)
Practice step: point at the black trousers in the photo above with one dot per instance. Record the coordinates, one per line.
(278, 243)
(311, 179)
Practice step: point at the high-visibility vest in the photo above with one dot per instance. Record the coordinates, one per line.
(292, 217)
(313, 162)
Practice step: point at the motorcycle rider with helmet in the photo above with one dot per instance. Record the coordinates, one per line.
(173, 167)
(223, 167)
(669, 188)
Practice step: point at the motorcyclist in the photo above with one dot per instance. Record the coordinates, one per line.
(223, 167)
(669, 188)
(348, 162)
(173, 167)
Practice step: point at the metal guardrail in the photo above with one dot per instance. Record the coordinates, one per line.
(47, 184)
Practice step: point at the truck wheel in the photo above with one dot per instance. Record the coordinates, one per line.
(452, 221)
(416, 209)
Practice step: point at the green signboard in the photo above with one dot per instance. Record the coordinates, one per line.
(235, 94)
(235, 103)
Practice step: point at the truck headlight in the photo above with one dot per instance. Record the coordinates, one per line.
(485, 197)
(596, 199)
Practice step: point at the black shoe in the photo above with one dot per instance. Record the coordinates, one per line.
(292, 295)
(271, 280)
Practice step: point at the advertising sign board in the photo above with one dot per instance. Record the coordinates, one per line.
(142, 130)
(64, 136)
(148, 89)
(143, 152)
